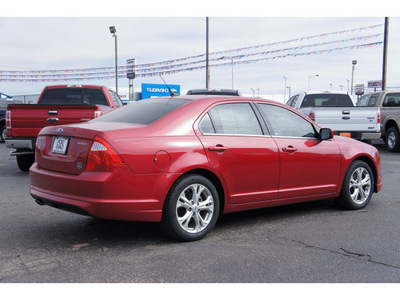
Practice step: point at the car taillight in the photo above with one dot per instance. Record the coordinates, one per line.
(8, 119)
(97, 113)
(311, 115)
(102, 154)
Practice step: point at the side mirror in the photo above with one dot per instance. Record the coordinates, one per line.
(325, 134)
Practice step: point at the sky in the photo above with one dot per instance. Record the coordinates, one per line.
(64, 38)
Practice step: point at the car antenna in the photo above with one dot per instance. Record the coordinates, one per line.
(172, 93)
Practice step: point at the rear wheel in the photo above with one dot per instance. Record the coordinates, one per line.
(358, 186)
(191, 208)
(393, 139)
(25, 162)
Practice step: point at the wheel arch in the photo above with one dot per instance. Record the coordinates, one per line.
(391, 123)
(215, 180)
(371, 164)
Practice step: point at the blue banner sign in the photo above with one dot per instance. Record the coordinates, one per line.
(159, 90)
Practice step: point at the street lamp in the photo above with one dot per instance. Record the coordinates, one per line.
(114, 33)
(254, 93)
(309, 79)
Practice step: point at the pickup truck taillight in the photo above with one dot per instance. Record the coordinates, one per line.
(97, 113)
(379, 117)
(102, 154)
(8, 119)
(311, 115)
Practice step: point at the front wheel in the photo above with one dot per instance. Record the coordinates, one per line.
(358, 186)
(191, 208)
(393, 139)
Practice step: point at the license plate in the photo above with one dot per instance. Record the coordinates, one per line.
(345, 134)
(60, 145)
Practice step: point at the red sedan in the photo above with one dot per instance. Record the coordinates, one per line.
(184, 161)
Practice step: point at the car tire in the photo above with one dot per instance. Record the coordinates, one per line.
(357, 187)
(393, 139)
(25, 162)
(191, 208)
(3, 134)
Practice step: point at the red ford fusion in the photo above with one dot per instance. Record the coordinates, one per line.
(183, 161)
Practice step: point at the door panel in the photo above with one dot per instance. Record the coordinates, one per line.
(249, 165)
(312, 169)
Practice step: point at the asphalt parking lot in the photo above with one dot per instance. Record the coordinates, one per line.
(310, 242)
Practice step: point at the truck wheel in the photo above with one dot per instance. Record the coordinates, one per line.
(357, 187)
(3, 134)
(191, 208)
(393, 139)
(25, 162)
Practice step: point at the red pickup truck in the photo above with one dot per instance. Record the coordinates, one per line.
(57, 105)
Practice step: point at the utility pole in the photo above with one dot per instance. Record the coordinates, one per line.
(385, 46)
(207, 71)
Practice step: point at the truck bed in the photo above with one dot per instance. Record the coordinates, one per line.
(28, 119)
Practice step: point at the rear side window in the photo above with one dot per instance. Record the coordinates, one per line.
(327, 100)
(232, 118)
(66, 96)
(143, 112)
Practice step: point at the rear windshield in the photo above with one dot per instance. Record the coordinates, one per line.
(327, 100)
(74, 96)
(144, 111)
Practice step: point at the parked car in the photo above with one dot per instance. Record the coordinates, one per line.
(60, 104)
(389, 104)
(337, 111)
(183, 161)
(3, 109)
(225, 92)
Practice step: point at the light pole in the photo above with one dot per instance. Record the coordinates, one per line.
(114, 33)
(354, 62)
(309, 79)
(284, 90)
(289, 91)
(254, 93)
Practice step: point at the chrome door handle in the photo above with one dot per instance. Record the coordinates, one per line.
(52, 120)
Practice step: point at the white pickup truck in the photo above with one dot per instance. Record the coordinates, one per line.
(336, 110)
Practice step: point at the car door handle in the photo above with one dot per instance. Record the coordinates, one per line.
(217, 148)
(289, 149)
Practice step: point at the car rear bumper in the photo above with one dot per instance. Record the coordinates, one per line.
(116, 196)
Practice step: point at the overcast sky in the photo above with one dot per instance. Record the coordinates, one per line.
(46, 41)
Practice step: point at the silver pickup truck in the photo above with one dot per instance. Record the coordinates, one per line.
(389, 104)
(336, 110)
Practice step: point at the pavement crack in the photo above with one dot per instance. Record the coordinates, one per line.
(343, 252)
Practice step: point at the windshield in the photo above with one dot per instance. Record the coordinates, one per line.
(144, 111)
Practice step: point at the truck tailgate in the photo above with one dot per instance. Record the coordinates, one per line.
(349, 118)
(28, 119)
